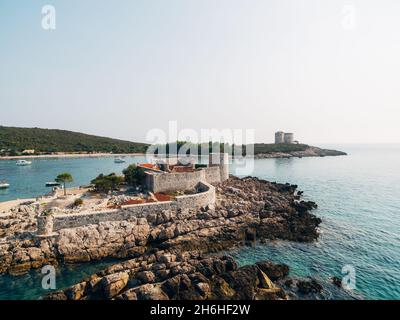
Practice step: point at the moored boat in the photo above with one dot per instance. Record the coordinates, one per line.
(52, 184)
(4, 185)
(23, 163)
(119, 160)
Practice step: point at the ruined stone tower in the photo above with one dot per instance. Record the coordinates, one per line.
(222, 161)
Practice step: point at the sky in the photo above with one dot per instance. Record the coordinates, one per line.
(328, 71)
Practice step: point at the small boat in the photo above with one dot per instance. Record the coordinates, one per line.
(119, 160)
(23, 163)
(52, 184)
(4, 185)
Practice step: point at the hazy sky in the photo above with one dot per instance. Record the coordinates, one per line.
(120, 68)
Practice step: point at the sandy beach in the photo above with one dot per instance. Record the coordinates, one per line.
(71, 155)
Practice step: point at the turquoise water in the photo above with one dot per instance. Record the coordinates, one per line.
(29, 181)
(359, 203)
(29, 286)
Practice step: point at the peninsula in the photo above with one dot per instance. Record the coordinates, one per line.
(173, 235)
(29, 143)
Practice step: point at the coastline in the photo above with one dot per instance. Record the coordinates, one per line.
(72, 155)
(171, 247)
(309, 152)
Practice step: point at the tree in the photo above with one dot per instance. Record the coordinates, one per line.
(64, 178)
(133, 175)
(107, 183)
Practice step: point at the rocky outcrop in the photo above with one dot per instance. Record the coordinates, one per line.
(272, 270)
(309, 152)
(246, 210)
(189, 277)
(304, 289)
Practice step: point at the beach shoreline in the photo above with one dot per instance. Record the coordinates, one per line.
(71, 156)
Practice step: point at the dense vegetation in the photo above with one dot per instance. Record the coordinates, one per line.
(50, 140)
(14, 140)
(282, 147)
(231, 149)
(133, 175)
(107, 183)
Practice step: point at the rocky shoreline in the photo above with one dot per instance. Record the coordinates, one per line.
(190, 276)
(171, 247)
(309, 152)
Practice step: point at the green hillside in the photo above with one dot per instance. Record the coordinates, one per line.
(269, 148)
(259, 148)
(52, 140)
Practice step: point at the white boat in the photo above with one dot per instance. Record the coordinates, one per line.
(4, 185)
(52, 184)
(119, 160)
(23, 163)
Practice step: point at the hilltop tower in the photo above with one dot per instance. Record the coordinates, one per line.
(279, 137)
(289, 138)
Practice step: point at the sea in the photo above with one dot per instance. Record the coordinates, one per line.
(358, 199)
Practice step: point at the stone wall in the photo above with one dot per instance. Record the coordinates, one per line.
(170, 182)
(216, 172)
(47, 225)
(212, 175)
(220, 160)
(205, 197)
(124, 214)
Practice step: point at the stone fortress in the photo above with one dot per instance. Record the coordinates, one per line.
(186, 177)
(284, 137)
(180, 178)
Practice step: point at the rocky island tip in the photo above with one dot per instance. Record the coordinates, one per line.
(167, 243)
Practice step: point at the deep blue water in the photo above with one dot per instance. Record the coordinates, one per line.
(359, 202)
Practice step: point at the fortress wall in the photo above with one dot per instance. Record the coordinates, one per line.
(212, 174)
(170, 182)
(217, 171)
(198, 200)
(124, 214)
(47, 225)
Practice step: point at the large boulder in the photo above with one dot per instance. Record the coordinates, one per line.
(272, 270)
(114, 283)
(145, 276)
(309, 286)
(150, 292)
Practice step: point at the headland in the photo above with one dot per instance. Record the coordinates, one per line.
(174, 238)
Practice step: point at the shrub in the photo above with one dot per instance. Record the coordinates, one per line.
(133, 175)
(78, 202)
(107, 183)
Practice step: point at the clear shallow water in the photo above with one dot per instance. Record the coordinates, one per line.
(29, 286)
(358, 198)
(359, 203)
(29, 181)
